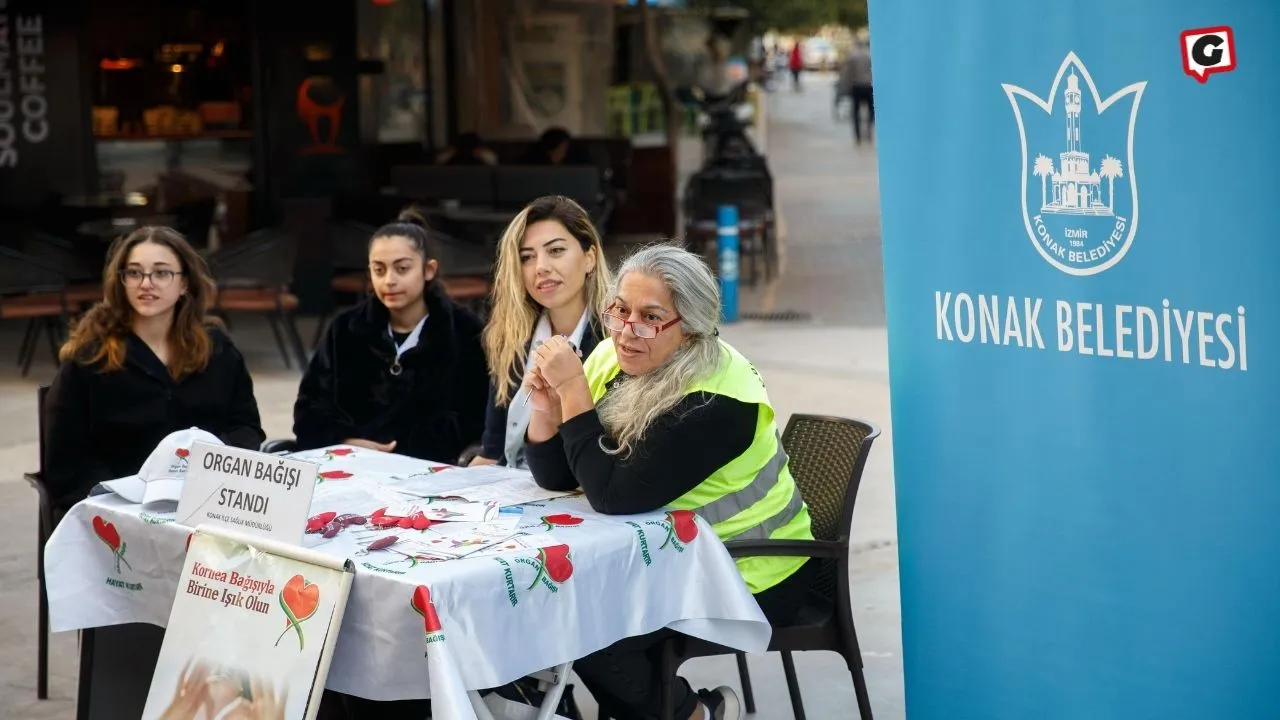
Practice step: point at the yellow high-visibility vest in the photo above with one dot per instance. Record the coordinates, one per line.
(753, 497)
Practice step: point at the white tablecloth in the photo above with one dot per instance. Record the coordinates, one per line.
(506, 615)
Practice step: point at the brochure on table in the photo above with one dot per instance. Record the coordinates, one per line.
(249, 492)
(251, 632)
(482, 484)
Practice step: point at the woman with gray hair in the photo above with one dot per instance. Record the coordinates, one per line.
(665, 414)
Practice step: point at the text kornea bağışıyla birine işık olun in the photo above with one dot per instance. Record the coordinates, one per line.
(1164, 332)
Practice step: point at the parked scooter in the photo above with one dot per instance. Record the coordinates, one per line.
(725, 121)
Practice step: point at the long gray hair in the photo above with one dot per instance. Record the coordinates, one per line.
(628, 409)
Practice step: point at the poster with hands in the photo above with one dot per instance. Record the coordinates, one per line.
(251, 632)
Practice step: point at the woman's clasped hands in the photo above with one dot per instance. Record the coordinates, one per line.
(554, 364)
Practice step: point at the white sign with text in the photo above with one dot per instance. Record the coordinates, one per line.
(251, 492)
(251, 633)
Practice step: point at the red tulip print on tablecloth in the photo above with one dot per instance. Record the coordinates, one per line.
(335, 453)
(561, 520)
(682, 528)
(554, 566)
(108, 533)
(333, 475)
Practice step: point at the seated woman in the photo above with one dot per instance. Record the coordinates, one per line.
(665, 414)
(555, 146)
(467, 149)
(403, 370)
(144, 362)
(550, 280)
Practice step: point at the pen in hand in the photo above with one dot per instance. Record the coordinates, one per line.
(528, 390)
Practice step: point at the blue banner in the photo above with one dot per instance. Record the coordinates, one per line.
(1083, 290)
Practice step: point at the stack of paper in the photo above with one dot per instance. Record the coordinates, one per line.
(482, 484)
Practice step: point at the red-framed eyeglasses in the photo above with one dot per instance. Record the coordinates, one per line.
(648, 331)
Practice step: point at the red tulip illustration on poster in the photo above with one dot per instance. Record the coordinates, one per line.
(682, 528)
(423, 605)
(561, 520)
(108, 534)
(299, 600)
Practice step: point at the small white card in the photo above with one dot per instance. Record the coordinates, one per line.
(250, 492)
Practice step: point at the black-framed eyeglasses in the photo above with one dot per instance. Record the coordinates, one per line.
(647, 331)
(133, 277)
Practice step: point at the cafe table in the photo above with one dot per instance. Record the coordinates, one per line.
(570, 581)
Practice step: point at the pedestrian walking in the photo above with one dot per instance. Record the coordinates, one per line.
(796, 64)
(857, 73)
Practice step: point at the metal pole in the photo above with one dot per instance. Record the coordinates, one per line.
(727, 249)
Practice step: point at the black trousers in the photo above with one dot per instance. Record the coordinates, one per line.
(336, 706)
(861, 95)
(625, 678)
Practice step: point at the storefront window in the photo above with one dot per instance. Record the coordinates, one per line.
(172, 111)
(172, 91)
(393, 103)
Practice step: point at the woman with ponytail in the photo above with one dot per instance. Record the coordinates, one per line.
(402, 371)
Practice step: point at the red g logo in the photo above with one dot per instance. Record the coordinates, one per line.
(1206, 51)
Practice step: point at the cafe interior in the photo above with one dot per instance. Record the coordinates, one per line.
(277, 135)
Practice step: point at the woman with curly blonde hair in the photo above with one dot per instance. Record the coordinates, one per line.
(144, 362)
(551, 279)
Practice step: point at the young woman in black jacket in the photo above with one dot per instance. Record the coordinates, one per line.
(550, 279)
(144, 362)
(402, 371)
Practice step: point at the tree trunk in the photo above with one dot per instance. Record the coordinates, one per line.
(670, 108)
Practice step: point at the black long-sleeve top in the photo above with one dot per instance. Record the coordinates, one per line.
(103, 425)
(433, 409)
(494, 441)
(685, 445)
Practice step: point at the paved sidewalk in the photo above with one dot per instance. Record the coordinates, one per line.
(835, 364)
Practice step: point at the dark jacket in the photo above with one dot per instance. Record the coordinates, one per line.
(103, 425)
(433, 409)
(493, 444)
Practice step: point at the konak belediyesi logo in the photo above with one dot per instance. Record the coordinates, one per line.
(1079, 182)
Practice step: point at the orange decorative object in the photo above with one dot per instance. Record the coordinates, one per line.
(312, 111)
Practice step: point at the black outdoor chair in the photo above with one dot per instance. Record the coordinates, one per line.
(254, 276)
(44, 528)
(826, 456)
(34, 290)
(194, 219)
(349, 242)
(517, 186)
(279, 445)
(469, 185)
(751, 192)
